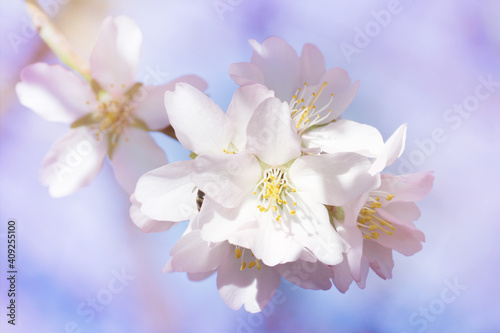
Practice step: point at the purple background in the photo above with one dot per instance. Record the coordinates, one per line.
(424, 59)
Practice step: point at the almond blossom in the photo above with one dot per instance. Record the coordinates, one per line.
(242, 279)
(377, 223)
(109, 116)
(316, 97)
(267, 198)
(167, 194)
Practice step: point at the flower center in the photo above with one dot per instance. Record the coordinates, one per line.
(112, 117)
(369, 222)
(240, 255)
(276, 194)
(303, 108)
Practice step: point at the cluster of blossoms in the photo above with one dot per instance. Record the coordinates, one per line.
(278, 186)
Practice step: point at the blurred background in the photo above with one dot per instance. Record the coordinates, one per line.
(421, 64)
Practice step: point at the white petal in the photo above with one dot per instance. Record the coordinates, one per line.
(245, 101)
(345, 136)
(394, 147)
(167, 193)
(150, 107)
(271, 133)
(55, 93)
(312, 229)
(308, 275)
(226, 178)
(312, 64)
(135, 154)
(145, 223)
(333, 179)
(280, 65)
(250, 287)
(220, 223)
(200, 125)
(72, 162)
(193, 254)
(116, 55)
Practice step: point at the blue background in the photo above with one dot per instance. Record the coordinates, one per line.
(422, 61)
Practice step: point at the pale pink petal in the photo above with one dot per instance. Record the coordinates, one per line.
(193, 254)
(312, 64)
(135, 154)
(354, 238)
(280, 65)
(342, 276)
(412, 187)
(199, 276)
(394, 147)
(333, 179)
(72, 162)
(271, 133)
(406, 238)
(339, 84)
(167, 193)
(226, 178)
(55, 93)
(402, 212)
(149, 101)
(311, 228)
(308, 275)
(345, 136)
(145, 223)
(365, 269)
(245, 101)
(116, 55)
(380, 259)
(244, 73)
(251, 288)
(200, 125)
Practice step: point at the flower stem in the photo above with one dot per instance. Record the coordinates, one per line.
(169, 130)
(56, 41)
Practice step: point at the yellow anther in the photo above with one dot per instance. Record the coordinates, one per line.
(376, 204)
(389, 197)
(375, 235)
(295, 204)
(251, 264)
(292, 212)
(243, 265)
(366, 237)
(372, 227)
(284, 202)
(238, 253)
(258, 265)
(275, 208)
(377, 198)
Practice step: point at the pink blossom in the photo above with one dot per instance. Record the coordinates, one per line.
(110, 116)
